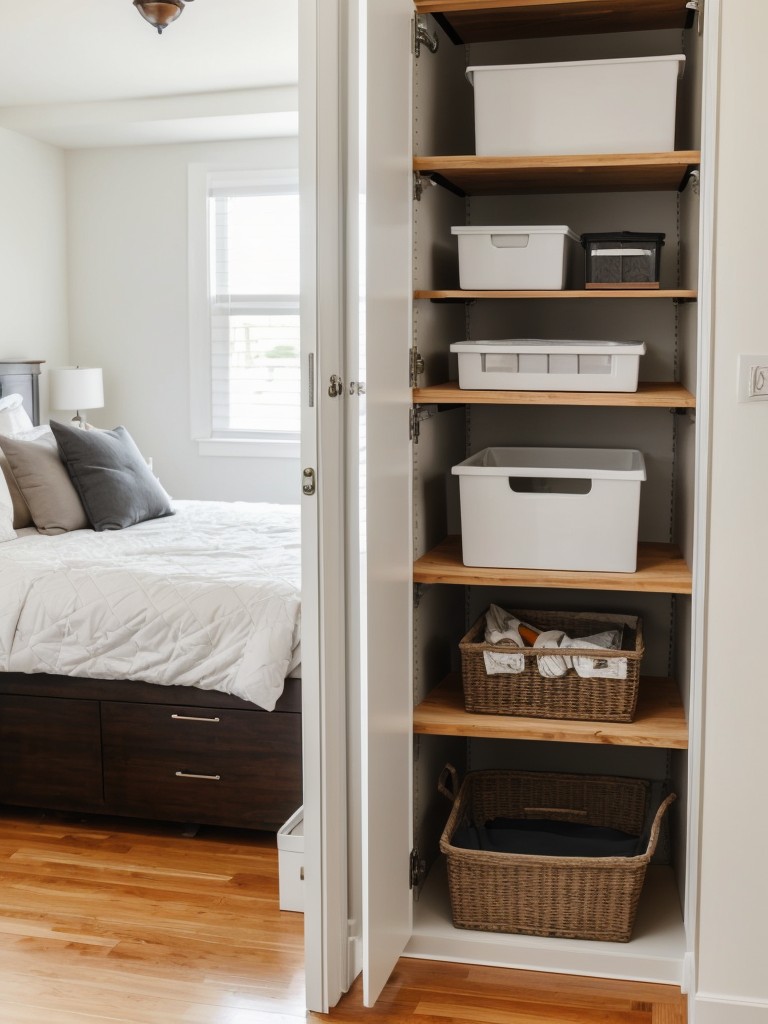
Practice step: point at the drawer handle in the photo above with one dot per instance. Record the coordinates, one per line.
(194, 718)
(192, 775)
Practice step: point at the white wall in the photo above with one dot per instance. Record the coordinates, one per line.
(33, 293)
(733, 949)
(129, 306)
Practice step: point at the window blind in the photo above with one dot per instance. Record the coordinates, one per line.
(254, 311)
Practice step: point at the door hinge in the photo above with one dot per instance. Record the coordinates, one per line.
(416, 869)
(415, 366)
(309, 481)
(335, 386)
(422, 37)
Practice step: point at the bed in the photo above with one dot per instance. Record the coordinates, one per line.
(153, 671)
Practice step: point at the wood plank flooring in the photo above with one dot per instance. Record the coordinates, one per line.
(104, 921)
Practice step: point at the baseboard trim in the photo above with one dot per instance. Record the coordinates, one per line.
(710, 1009)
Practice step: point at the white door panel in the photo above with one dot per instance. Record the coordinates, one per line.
(386, 556)
(323, 663)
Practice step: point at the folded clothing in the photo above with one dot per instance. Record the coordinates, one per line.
(540, 837)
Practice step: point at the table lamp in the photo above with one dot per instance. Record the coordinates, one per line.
(79, 388)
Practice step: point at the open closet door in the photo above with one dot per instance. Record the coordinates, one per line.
(322, 521)
(385, 473)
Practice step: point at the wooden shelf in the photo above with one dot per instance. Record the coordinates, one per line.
(465, 295)
(649, 394)
(659, 720)
(479, 21)
(661, 569)
(505, 175)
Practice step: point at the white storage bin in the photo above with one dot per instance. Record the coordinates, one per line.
(591, 106)
(519, 257)
(290, 855)
(536, 365)
(551, 508)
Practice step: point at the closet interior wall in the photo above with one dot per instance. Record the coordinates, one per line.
(443, 124)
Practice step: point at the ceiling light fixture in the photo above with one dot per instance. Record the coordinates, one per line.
(160, 13)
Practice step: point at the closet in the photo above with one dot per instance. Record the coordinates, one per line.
(658, 192)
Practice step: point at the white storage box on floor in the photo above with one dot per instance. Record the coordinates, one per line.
(551, 508)
(514, 257)
(591, 106)
(534, 364)
(290, 856)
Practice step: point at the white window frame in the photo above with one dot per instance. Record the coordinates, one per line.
(199, 312)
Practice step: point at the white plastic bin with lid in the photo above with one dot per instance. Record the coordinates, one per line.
(591, 106)
(534, 364)
(551, 508)
(514, 257)
(290, 862)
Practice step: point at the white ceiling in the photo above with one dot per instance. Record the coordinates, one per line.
(74, 51)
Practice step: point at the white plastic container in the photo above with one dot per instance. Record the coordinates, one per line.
(551, 508)
(290, 858)
(537, 365)
(514, 257)
(591, 106)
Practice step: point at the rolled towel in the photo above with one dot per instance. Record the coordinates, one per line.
(552, 666)
(599, 668)
(502, 629)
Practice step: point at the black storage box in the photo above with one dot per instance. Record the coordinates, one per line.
(623, 259)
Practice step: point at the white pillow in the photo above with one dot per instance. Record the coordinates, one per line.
(13, 416)
(7, 531)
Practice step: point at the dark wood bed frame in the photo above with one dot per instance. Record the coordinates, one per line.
(176, 753)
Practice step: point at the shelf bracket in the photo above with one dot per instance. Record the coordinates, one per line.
(423, 37)
(693, 179)
(418, 592)
(417, 414)
(419, 182)
(697, 8)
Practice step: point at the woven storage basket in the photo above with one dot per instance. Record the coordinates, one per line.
(570, 897)
(531, 695)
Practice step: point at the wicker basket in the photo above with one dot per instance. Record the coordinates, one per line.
(531, 695)
(570, 897)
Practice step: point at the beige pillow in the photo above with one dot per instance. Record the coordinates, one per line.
(44, 482)
(21, 515)
(7, 531)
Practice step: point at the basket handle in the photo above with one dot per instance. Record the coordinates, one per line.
(542, 812)
(656, 827)
(449, 772)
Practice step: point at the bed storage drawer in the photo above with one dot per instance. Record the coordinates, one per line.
(50, 753)
(205, 765)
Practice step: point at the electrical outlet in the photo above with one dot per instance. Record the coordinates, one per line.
(753, 378)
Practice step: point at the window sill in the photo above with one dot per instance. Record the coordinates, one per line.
(248, 448)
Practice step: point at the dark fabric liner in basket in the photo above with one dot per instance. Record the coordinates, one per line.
(569, 897)
(528, 694)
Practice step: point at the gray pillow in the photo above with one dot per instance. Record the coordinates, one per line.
(116, 486)
(44, 483)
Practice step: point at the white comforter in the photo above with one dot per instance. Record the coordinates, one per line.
(208, 597)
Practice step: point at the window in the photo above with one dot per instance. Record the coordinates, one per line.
(247, 353)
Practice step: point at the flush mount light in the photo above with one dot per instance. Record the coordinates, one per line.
(160, 13)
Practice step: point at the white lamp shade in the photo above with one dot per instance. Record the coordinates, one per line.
(77, 387)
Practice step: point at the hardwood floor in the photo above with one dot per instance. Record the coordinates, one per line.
(104, 921)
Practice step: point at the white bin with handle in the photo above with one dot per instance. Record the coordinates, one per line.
(551, 508)
(624, 105)
(514, 257)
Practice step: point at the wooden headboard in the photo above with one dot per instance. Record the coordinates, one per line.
(20, 377)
